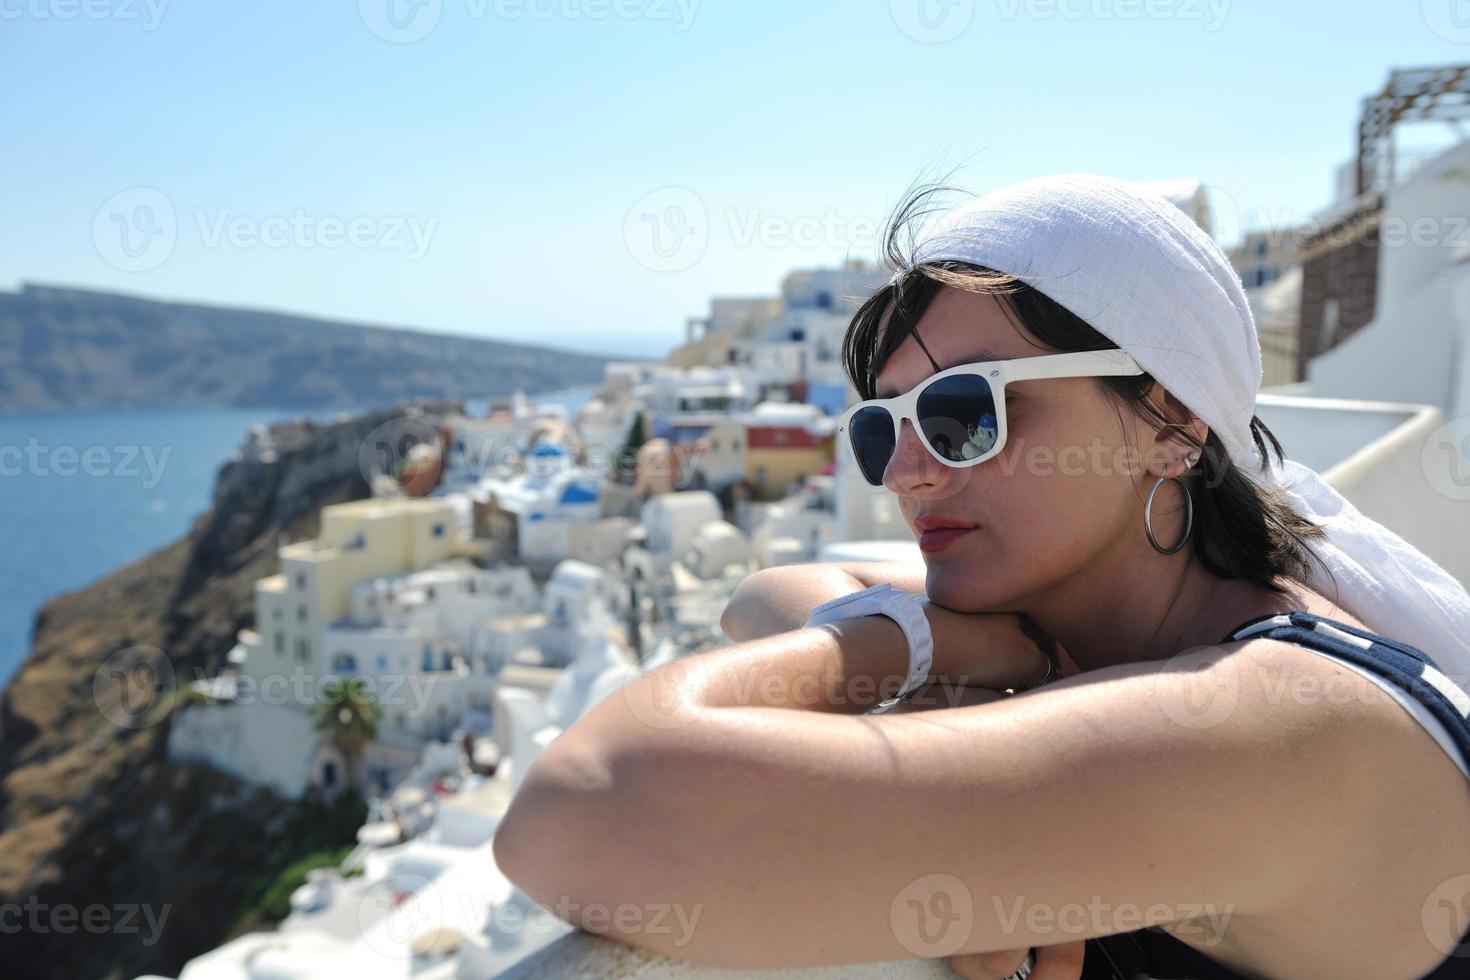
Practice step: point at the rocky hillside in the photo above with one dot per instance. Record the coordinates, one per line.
(70, 348)
(121, 862)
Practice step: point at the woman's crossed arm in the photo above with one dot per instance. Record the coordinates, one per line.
(783, 838)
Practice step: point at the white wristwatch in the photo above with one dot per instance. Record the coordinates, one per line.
(903, 609)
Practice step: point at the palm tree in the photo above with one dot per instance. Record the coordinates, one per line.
(348, 714)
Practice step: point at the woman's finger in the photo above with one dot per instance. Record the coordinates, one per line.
(1063, 962)
(995, 965)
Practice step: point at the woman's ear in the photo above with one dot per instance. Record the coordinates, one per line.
(1170, 448)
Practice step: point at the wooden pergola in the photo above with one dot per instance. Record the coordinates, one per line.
(1410, 95)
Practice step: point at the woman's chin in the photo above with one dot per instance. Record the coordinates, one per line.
(954, 591)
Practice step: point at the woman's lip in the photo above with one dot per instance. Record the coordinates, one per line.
(942, 537)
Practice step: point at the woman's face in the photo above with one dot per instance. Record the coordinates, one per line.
(1061, 496)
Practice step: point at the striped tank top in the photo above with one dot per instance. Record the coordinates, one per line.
(1413, 680)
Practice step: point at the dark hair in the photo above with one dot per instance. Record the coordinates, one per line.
(1242, 529)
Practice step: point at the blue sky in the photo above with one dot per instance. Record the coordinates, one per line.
(588, 173)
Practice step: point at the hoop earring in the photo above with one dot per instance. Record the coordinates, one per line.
(1148, 524)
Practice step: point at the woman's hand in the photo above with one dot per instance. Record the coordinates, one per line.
(936, 695)
(990, 650)
(1062, 962)
(986, 650)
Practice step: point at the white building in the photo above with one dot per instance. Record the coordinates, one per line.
(670, 521)
(578, 598)
(558, 511)
(375, 598)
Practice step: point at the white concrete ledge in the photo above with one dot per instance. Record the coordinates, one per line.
(584, 955)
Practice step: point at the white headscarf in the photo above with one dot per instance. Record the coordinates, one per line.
(1146, 276)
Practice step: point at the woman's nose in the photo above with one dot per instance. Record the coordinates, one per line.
(912, 468)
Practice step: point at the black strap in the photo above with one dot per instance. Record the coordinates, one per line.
(1120, 957)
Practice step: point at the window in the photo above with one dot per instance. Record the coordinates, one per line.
(439, 530)
(1331, 312)
(280, 642)
(303, 650)
(382, 662)
(301, 614)
(301, 581)
(344, 663)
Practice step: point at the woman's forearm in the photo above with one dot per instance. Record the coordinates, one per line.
(846, 667)
(779, 600)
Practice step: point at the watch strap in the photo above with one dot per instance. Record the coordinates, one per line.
(901, 607)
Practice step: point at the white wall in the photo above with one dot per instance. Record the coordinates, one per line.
(1403, 483)
(1323, 432)
(1414, 348)
(584, 956)
(1423, 227)
(260, 742)
(1406, 354)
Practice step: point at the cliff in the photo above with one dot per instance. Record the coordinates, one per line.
(120, 861)
(72, 348)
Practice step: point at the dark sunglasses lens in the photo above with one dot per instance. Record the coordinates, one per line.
(957, 417)
(871, 433)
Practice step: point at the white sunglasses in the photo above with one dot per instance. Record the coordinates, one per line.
(960, 413)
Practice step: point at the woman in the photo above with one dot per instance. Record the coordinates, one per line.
(1236, 774)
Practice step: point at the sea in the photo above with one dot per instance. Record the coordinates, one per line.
(83, 492)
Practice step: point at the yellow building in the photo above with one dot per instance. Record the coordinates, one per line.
(784, 444)
(361, 540)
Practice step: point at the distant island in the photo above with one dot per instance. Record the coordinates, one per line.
(75, 348)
